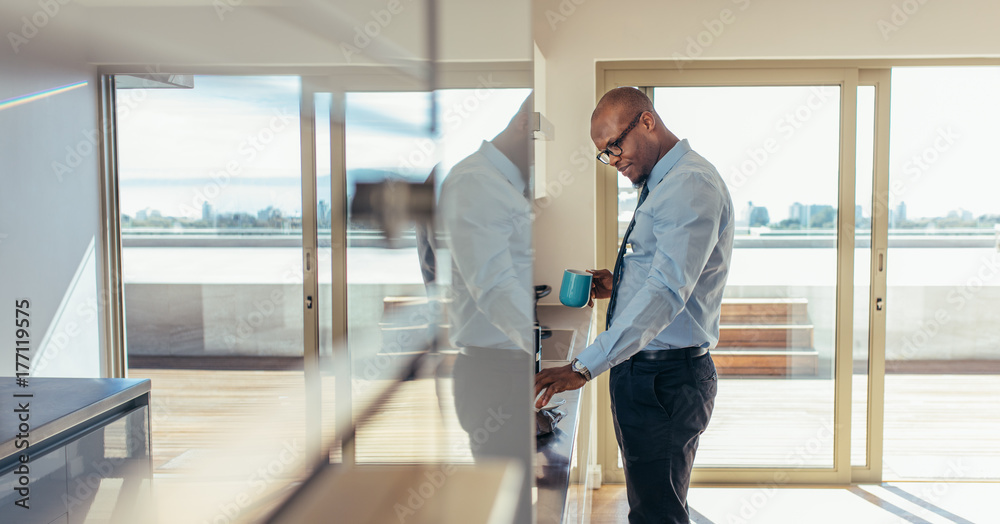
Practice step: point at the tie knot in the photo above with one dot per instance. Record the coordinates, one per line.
(643, 194)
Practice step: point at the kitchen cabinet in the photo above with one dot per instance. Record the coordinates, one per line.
(87, 446)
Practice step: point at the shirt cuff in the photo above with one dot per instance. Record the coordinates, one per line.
(593, 358)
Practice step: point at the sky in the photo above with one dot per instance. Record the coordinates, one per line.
(234, 141)
(945, 117)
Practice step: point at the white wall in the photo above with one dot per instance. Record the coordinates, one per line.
(574, 34)
(49, 221)
(296, 33)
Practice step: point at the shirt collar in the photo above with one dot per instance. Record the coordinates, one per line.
(504, 165)
(665, 164)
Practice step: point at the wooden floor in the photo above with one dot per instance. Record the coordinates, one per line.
(238, 435)
(888, 503)
(936, 426)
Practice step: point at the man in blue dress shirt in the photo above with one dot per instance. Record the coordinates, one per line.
(665, 297)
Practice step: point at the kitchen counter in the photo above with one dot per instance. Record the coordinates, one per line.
(60, 407)
(554, 455)
(60, 438)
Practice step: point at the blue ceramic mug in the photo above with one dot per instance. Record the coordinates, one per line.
(575, 289)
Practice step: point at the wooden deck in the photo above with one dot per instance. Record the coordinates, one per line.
(937, 426)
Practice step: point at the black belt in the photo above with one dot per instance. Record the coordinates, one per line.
(669, 354)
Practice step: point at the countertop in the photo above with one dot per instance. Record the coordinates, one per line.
(554, 455)
(58, 407)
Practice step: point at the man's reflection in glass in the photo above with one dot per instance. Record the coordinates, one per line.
(485, 217)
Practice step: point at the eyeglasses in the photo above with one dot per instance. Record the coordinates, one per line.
(614, 148)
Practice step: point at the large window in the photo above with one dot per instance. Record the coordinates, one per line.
(863, 268)
(942, 345)
(210, 192)
(777, 148)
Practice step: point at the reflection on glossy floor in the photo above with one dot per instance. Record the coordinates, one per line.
(891, 503)
(951, 416)
(197, 411)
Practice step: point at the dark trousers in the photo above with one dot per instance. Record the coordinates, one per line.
(660, 409)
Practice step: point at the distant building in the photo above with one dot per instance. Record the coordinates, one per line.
(759, 216)
(268, 213)
(799, 213)
(755, 216)
(141, 215)
(901, 212)
(821, 215)
(323, 214)
(795, 211)
(207, 213)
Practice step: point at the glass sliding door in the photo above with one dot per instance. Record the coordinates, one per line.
(777, 147)
(210, 189)
(871, 220)
(862, 277)
(942, 345)
(778, 139)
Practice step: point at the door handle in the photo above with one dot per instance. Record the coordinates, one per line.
(878, 304)
(309, 302)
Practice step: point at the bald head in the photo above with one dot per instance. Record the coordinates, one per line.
(625, 101)
(626, 124)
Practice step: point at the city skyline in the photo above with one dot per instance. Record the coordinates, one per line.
(753, 215)
(234, 141)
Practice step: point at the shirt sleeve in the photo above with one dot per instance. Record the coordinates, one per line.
(481, 223)
(686, 222)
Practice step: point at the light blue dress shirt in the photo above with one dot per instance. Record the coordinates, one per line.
(670, 293)
(486, 220)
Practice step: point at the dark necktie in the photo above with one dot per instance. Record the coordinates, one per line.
(617, 276)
